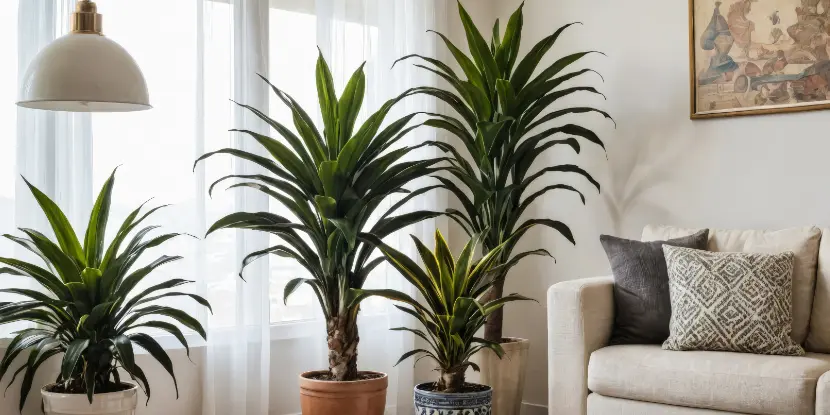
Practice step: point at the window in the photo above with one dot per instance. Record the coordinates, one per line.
(191, 76)
(8, 116)
(292, 68)
(156, 154)
(8, 119)
(195, 56)
(155, 149)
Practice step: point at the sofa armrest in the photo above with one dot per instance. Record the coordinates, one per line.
(580, 320)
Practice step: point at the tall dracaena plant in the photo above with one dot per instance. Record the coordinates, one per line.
(88, 309)
(334, 184)
(505, 127)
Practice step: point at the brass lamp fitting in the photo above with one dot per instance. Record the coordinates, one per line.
(86, 19)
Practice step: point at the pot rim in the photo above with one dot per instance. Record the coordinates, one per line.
(45, 392)
(487, 391)
(511, 340)
(305, 377)
(514, 345)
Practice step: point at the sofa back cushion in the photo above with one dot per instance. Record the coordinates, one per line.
(803, 242)
(819, 338)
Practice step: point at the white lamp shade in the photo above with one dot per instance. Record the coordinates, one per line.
(84, 72)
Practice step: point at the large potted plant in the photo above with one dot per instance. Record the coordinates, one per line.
(452, 312)
(89, 310)
(504, 125)
(333, 184)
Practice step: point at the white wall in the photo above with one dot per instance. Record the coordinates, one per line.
(750, 172)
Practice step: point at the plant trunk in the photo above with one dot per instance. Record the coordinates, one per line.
(452, 381)
(493, 327)
(342, 341)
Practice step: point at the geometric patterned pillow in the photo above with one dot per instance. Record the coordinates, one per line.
(734, 302)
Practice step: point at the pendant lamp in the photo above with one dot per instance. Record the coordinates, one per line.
(84, 71)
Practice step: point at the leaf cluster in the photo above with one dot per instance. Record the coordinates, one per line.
(334, 183)
(506, 119)
(88, 309)
(453, 309)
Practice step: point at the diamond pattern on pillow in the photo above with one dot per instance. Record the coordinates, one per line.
(734, 302)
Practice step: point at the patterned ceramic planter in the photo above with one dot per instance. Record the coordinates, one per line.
(434, 403)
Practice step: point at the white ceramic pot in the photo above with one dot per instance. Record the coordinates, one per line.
(506, 376)
(113, 403)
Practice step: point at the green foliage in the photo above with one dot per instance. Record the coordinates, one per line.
(89, 309)
(501, 108)
(452, 310)
(334, 184)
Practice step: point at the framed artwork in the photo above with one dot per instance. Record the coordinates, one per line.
(751, 57)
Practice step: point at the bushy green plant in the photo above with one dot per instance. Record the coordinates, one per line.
(89, 310)
(504, 125)
(453, 309)
(333, 184)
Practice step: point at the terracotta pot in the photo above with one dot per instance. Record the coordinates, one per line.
(362, 397)
(434, 403)
(506, 376)
(113, 403)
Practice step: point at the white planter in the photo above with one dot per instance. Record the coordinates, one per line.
(506, 376)
(113, 403)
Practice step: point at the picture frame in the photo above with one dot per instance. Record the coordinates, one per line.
(757, 57)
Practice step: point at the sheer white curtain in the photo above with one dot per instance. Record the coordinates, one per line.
(199, 55)
(44, 147)
(348, 32)
(237, 368)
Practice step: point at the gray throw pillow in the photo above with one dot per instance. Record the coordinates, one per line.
(642, 305)
(731, 302)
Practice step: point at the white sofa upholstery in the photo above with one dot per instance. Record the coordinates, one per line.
(598, 404)
(742, 383)
(588, 377)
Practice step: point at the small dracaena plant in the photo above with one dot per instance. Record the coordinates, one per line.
(504, 123)
(89, 310)
(453, 308)
(334, 185)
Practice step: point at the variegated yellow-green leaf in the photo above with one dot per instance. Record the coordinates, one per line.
(453, 308)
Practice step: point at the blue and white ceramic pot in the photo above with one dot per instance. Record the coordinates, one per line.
(468, 403)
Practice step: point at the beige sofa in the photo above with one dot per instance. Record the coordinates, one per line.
(589, 377)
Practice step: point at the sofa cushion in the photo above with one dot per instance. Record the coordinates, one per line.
(819, 338)
(804, 242)
(603, 405)
(724, 381)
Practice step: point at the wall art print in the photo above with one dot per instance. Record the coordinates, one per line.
(753, 57)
